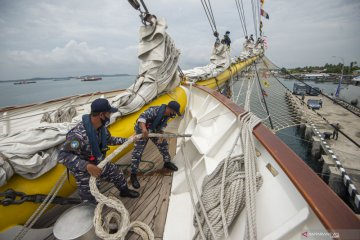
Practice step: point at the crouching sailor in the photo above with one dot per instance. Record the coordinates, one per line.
(153, 120)
(85, 147)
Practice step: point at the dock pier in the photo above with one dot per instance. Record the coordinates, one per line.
(340, 158)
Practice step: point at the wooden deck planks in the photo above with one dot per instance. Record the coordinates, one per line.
(152, 205)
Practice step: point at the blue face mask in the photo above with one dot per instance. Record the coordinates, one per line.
(105, 121)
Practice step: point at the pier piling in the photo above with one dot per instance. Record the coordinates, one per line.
(316, 147)
(335, 181)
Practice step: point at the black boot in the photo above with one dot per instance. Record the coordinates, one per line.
(171, 166)
(126, 192)
(135, 183)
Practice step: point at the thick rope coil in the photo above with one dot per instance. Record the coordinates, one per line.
(233, 198)
(247, 124)
(121, 216)
(231, 187)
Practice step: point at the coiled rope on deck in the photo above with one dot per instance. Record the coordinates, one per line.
(229, 188)
(121, 216)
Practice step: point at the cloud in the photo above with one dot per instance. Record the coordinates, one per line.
(75, 59)
(71, 53)
(70, 37)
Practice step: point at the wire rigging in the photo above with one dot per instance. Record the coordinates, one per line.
(255, 16)
(286, 110)
(243, 14)
(240, 10)
(210, 16)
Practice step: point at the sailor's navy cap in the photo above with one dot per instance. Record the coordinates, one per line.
(102, 105)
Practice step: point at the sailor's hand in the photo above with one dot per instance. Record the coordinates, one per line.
(93, 170)
(145, 134)
(135, 137)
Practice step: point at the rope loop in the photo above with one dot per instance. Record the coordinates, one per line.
(120, 213)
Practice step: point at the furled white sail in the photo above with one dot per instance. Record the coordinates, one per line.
(33, 152)
(219, 62)
(157, 71)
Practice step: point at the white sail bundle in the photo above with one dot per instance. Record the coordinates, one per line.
(33, 152)
(219, 62)
(157, 71)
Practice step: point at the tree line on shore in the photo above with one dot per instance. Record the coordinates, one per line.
(327, 68)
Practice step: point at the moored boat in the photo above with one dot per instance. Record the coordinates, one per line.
(24, 82)
(91, 79)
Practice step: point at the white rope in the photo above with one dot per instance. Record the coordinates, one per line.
(191, 185)
(190, 178)
(247, 124)
(43, 206)
(236, 180)
(121, 216)
(223, 179)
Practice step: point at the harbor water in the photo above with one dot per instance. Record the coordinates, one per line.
(45, 90)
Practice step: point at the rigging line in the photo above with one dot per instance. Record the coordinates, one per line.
(241, 20)
(258, 93)
(209, 14)
(208, 17)
(254, 17)
(324, 95)
(243, 14)
(274, 74)
(212, 14)
(267, 110)
(258, 12)
(181, 73)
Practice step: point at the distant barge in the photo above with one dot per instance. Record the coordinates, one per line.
(91, 79)
(23, 82)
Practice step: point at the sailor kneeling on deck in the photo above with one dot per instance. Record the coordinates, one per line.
(85, 147)
(153, 120)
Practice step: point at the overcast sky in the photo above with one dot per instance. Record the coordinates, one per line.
(55, 38)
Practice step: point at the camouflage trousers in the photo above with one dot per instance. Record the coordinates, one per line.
(139, 149)
(110, 173)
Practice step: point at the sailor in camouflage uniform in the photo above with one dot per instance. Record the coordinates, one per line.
(153, 120)
(86, 146)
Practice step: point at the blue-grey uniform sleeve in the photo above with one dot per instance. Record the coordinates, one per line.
(71, 151)
(114, 140)
(149, 114)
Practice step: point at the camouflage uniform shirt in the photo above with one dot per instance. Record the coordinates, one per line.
(148, 117)
(76, 151)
